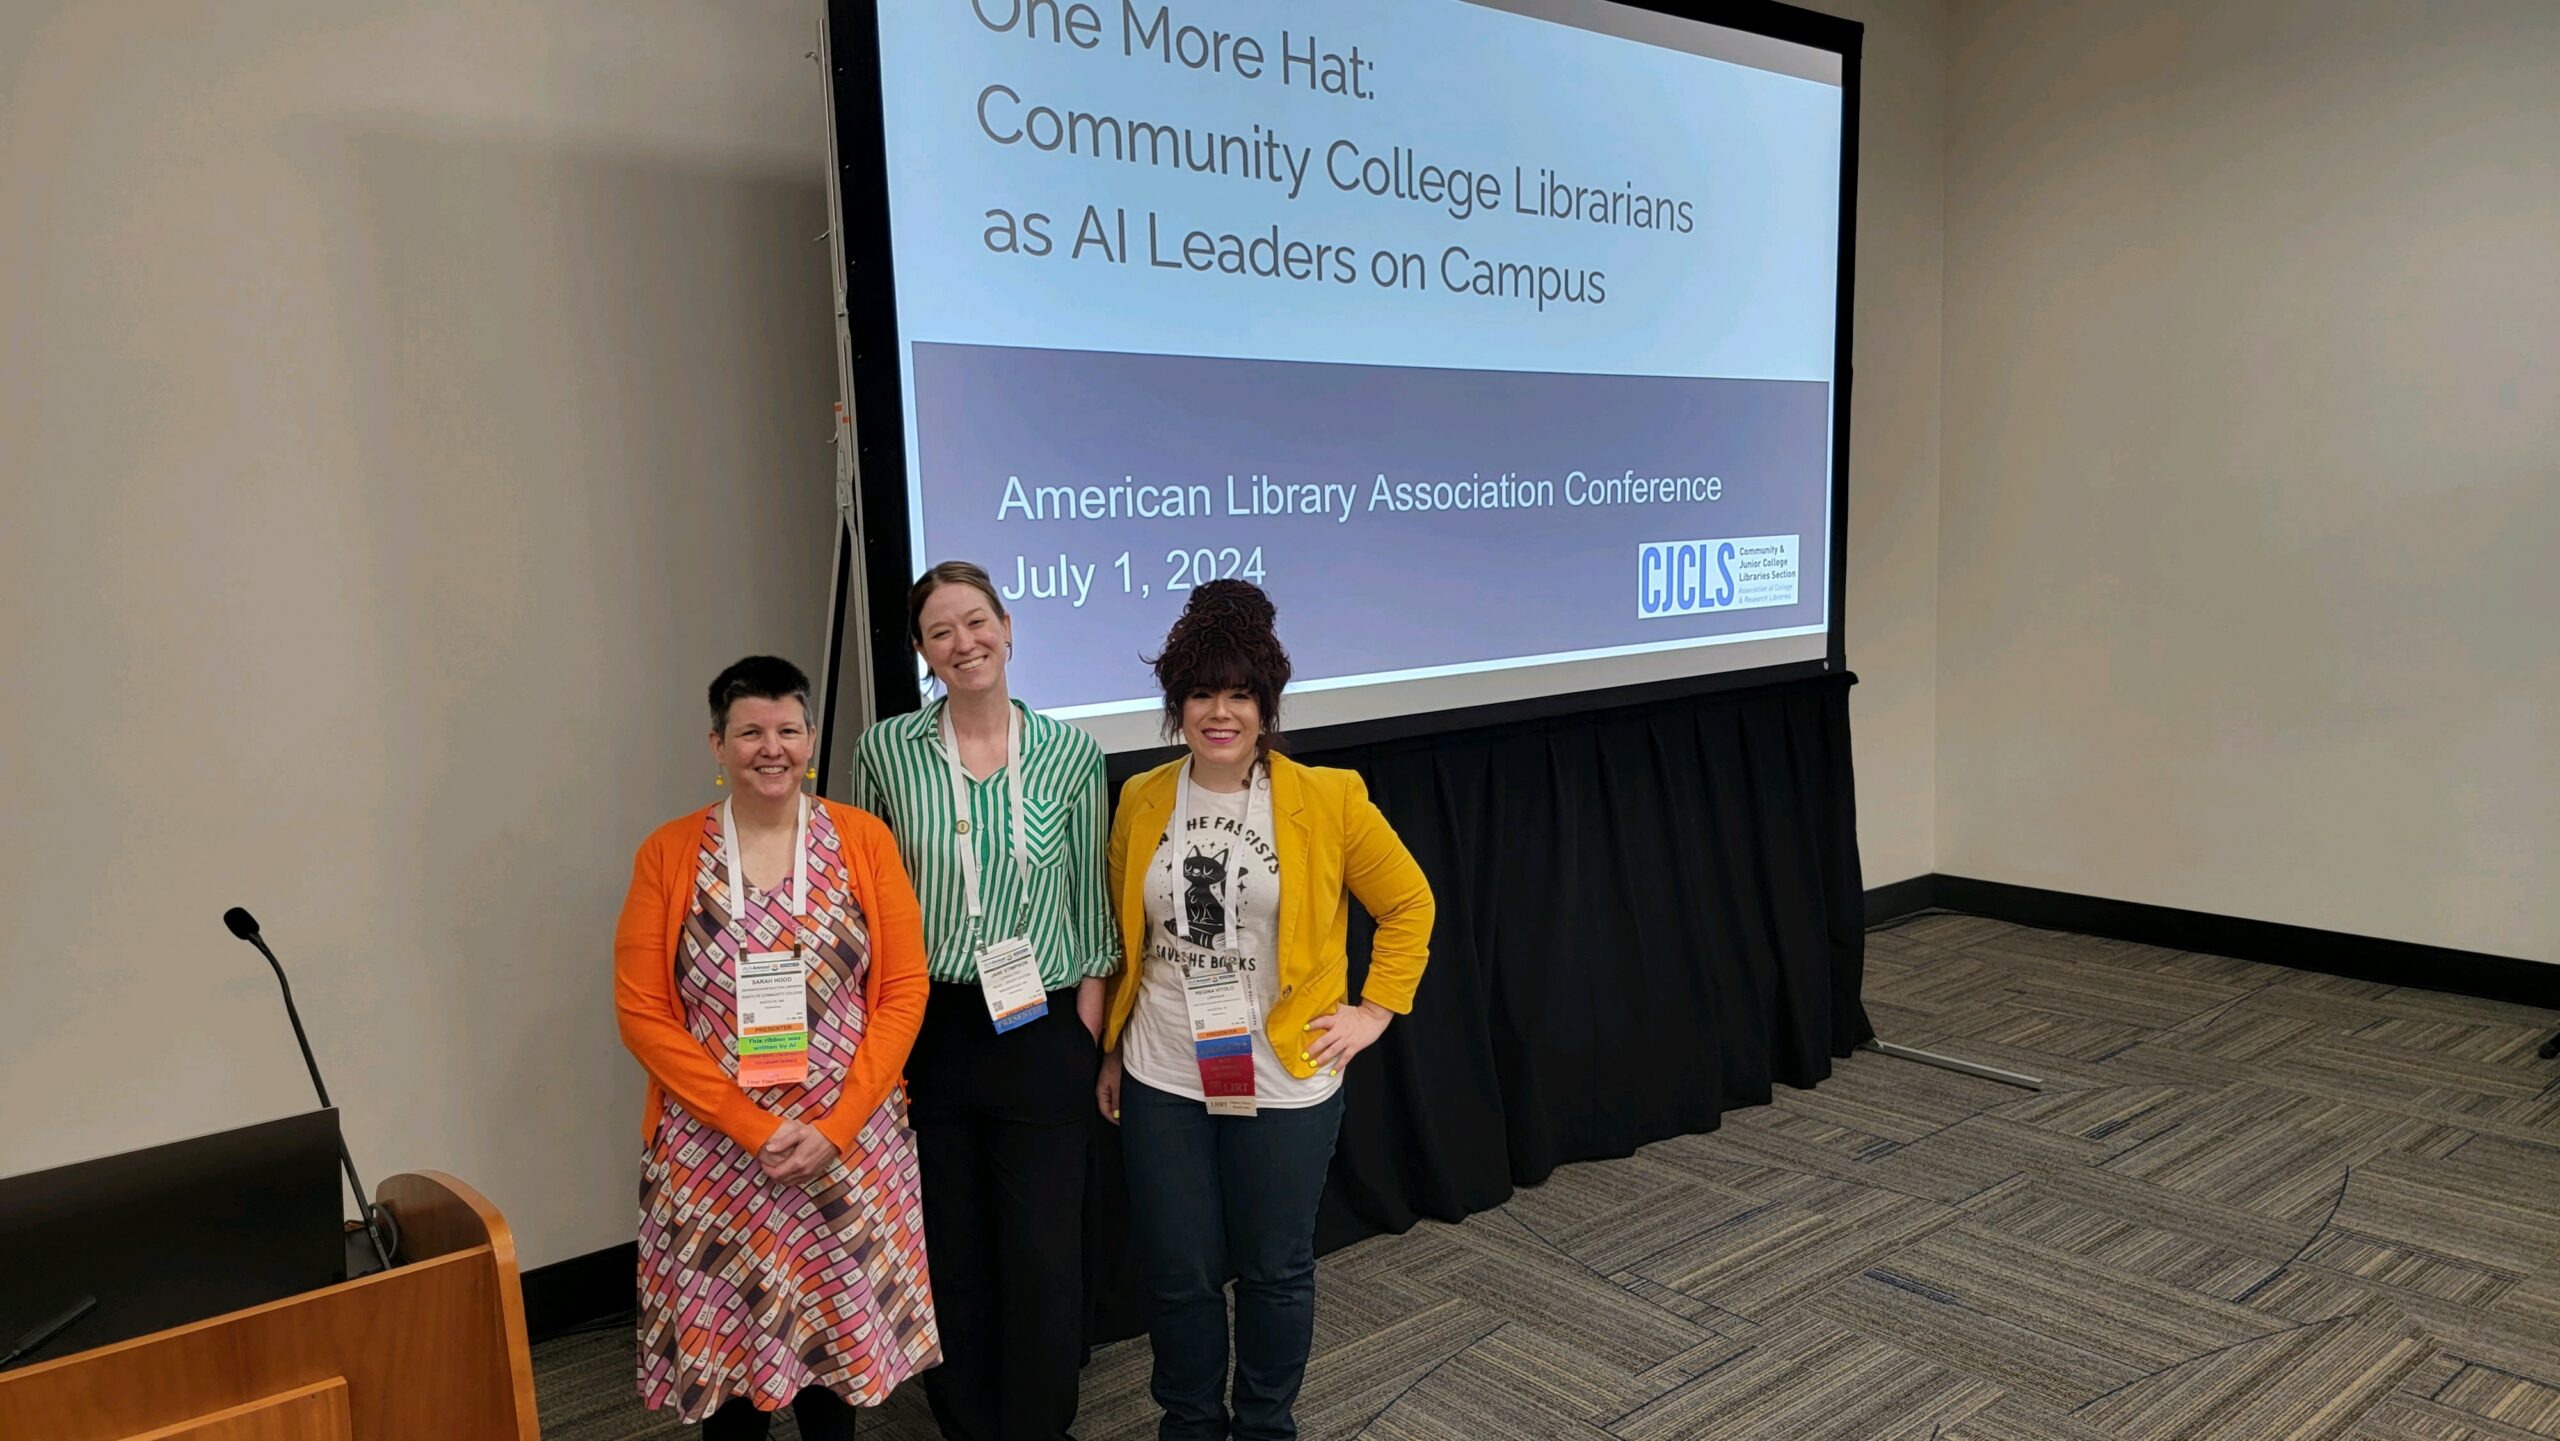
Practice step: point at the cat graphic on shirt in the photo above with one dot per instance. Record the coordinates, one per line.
(1204, 878)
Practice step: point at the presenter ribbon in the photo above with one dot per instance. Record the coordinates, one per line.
(1217, 996)
(1222, 1037)
(772, 986)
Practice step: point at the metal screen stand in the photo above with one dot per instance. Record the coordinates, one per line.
(1952, 1063)
(849, 585)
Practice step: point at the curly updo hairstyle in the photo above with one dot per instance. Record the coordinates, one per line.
(1224, 640)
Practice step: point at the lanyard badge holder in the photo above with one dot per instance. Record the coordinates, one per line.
(1008, 969)
(773, 986)
(1219, 1001)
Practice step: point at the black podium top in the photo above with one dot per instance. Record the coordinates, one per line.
(172, 1234)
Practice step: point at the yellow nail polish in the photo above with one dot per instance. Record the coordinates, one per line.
(1303, 1056)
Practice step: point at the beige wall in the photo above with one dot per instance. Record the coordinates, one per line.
(1893, 433)
(2252, 469)
(404, 409)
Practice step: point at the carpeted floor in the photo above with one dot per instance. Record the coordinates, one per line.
(2252, 1204)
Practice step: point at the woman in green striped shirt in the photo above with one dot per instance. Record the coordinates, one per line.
(998, 812)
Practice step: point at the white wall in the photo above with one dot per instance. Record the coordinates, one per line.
(404, 410)
(2251, 499)
(1893, 433)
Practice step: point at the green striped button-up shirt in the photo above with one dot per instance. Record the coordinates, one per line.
(1058, 903)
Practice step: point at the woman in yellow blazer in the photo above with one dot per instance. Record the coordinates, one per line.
(1226, 1033)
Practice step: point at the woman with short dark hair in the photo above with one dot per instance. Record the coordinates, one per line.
(1229, 1027)
(769, 975)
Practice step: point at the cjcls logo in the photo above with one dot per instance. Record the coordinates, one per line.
(1696, 577)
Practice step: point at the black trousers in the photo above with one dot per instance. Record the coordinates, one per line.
(1001, 1136)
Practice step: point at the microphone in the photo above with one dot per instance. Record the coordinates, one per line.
(245, 926)
(45, 1331)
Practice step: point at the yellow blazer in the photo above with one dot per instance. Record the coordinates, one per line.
(1331, 839)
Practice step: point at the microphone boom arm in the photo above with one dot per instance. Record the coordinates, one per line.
(247, 930)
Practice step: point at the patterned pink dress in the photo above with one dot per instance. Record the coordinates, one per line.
(748, 1288)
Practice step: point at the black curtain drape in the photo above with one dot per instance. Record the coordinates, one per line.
(1647, 916)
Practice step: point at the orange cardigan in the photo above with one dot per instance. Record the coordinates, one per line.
(652, 1014)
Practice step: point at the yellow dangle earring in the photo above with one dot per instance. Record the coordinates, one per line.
(719, 775)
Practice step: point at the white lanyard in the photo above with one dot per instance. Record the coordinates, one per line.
(738, 875)
(966, 843)
(1257, 797)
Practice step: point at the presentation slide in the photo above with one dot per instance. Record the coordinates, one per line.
(1495, 341)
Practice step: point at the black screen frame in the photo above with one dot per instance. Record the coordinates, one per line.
(879, 429)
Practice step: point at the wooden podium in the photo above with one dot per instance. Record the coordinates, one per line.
(431, 1350)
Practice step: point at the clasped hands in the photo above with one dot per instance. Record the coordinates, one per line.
(797, 1153)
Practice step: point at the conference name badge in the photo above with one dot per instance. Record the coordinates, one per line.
(1222, 1023)
(773, 1018)
(1009, 977)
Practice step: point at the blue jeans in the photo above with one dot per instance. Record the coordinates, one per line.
(1212, 1197)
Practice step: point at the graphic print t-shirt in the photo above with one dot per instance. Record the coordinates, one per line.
(1188, 881)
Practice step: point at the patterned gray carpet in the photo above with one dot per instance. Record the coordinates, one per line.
(2252, 1204)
